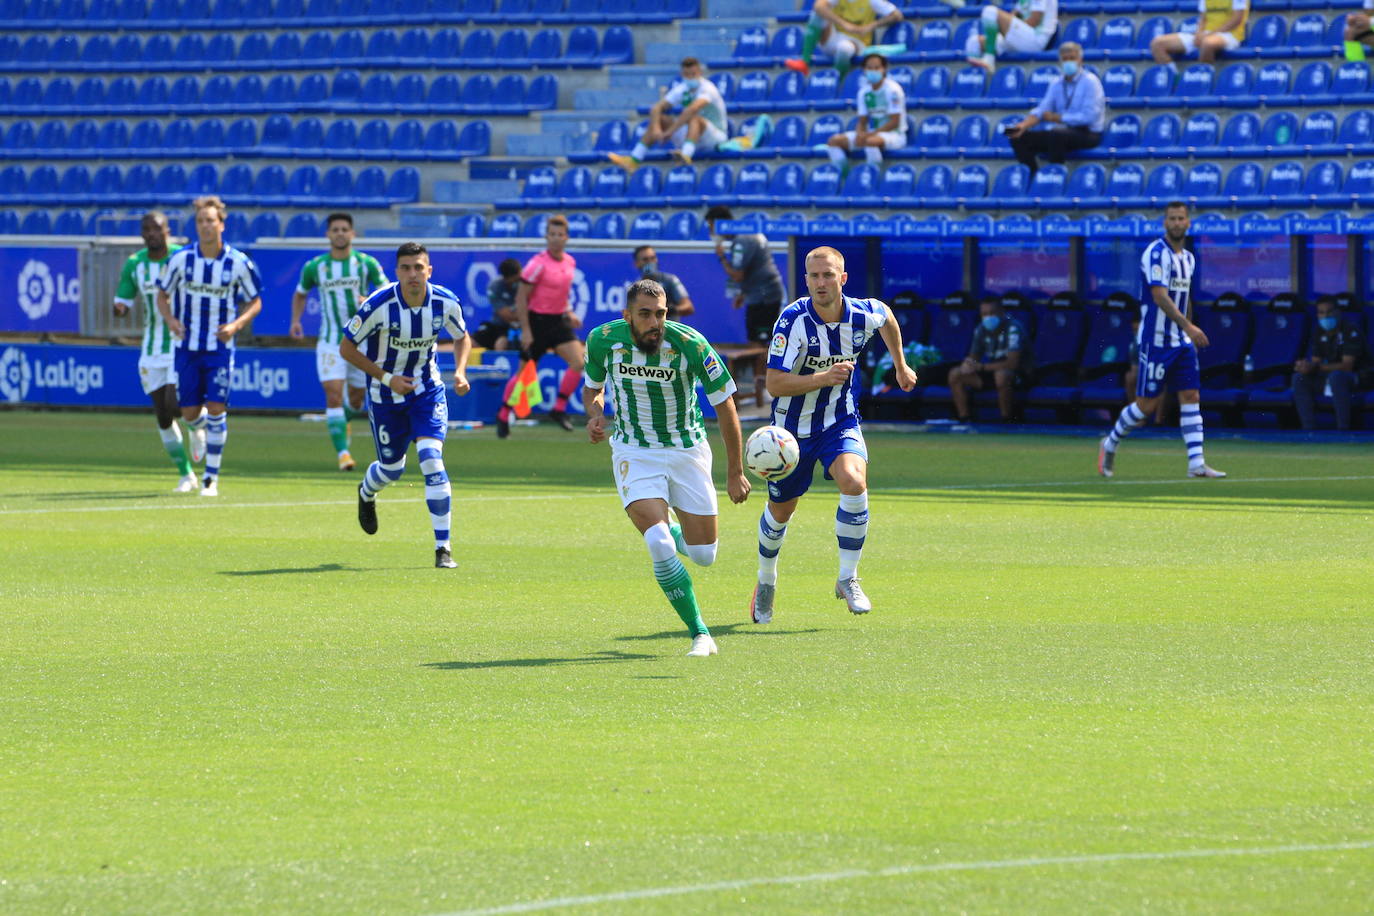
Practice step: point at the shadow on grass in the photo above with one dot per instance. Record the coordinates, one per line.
(596, 658)
(293, 570)
(734, 629)
(100, 495)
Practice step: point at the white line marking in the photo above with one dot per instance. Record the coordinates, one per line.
(211, 504)
(49, 510)
(899, 870)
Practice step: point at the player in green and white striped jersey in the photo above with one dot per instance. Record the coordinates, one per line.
(156, 354)
(344, 278)
(659, 453)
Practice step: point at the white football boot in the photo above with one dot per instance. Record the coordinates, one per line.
(853, 595)
(702, 646)
(187, 484)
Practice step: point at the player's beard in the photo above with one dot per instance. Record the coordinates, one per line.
(649, 346)
(1177, 237)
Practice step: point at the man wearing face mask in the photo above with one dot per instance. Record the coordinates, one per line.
(1331, 363)
(1000, 356)
(1074, 111)
(882, 118)
(700, 124)
(679, 303)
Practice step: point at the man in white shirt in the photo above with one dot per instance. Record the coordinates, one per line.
(1029, 28)
(700, 124)
(881, 105)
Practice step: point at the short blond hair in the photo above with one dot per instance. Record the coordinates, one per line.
(210, 200)
(825, 251)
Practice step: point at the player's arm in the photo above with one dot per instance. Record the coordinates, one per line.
(596, 414)
(1160, 294)
(522, 313)
(1237, 16)
(127, 289)
(890, 19)
(594, 380)
(1037, 15)
(167, 281)
(891, 124)
(461, 349)
(736, 484)
(1353, 347)
(247, 312)
(784, 384)
(297, 310)
(727, 259)
(826, 12)
(891, 333)
(401, 384)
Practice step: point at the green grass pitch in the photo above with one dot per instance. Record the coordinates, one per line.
(1146, 694)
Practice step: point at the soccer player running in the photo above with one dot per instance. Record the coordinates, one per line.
(547, 321)
(815, 347)
(1167, 343)
(659, 453)
(392, 340)
(207, 293)
(156, 355)
(344, 278)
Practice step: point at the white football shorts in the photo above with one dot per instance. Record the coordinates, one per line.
(679, 476)
(156, 371)
(331, 367)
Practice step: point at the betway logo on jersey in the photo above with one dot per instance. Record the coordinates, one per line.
(264, 380)
(206, 289)
(341, 283)
(19, 374)
(822, 363)
(411, 343)
(648, 373)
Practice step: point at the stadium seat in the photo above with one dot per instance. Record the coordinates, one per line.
(1195, 81)
(378, 93)
(1122, 134)
(969, 83)
(645, 186)
(934, 134)
(970, 184)
(237, 182)
(74, 184)
(184, 96)
(752, 184)
(932, 87)
(170, 182)
(90, 95)
(202, 180)
(860, 187)
(647, 227)
(513, 47)
(1227, 325)
(1272, 82)
(269, 187)
(1322, 186)
(1278, 131)
(608, 187)
(1010, 189)
(609, 226)
(13, 184)
(751, 46)
(972, 137)
(36, 222)
(1116, 37)
(114, 135)
(349, 49)
(579, 226)
(1359, 183)
(684, 226)
(208, 139)
(823, 128)
(1202, 185)
(582, 47)
(1235, 86)
(265, 226)
(897, 187)
(1317, 133)
(933, 39)
(408, 141)
(546, 48)
(374, 139)
(540, 185)
(336, 187)
(1241, 135)
(9, 222)
(1200, 132)
(341, 139)
(1268, 34)
(1243, 186)
(1161, 135)
(1086, 187)
(1283, 186)
(107, 185)
(784, 186)
(575, 188)
(934, 187)
(822, 187)
(477, 96)
(254, 52)
(1155, 87)
(1118, 83)
(1008, 88)
(1308, 34)
(716, 185)
(1279, 338)
(1351, 82)
(617, 46)
(1126, 186)
(468, 226)
(302, 190)
(236, 229)
(403, 186)
(444, 95)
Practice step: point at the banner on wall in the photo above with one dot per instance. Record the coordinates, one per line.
(598, 293)
(40, 290)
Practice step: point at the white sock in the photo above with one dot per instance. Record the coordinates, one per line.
(837, 155)
(1190, 424)
(689, 149)
(873, 155)
(217, 431)
(771, 533)
(639, 152)
(851, 528)
(701, 554)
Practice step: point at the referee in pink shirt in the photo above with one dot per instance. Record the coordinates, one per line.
(547, 321)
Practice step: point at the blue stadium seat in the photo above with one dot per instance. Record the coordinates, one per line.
(617, 46)
(897, 186)
(579, 225)
(751, 46)
(582, 47)
(513, 47)
(609, 226)
(1278, 131)
(546, 48)
(378, 93)
(1116, 36)
(341, 139)
(248, 93)
(254, 52)
(608, 187)
(859, 188)
(970, 184)
(1049, 187)
(823, 128)
(107, 185)
(1087, 186)
(951, 332)
(1241, 135)
(96, 54)
(269, 187)
(114, 135)
(646, 186)
(1202, 185)
(190, 49)
(90, 95)
(408, 141)
(1235, 86)
(540, 185)
(684, 226)
(336, 187)
(51, 139)
(972, 137)
(822, 187)
(716, 185)
(1351, 82)
(1010, 188)
(1279, 339)
(184, 96)
(345, 91)
(236, 183)
(1195, 81)
(69, 222)
(383, 49)
(786, 42)
(934, 187)
(445, 94)
(647, 227)
(410, 94)
(236, 229)
(575, 188)
(933, 39)
(170, 182)
(1243, 186)
(1228, 333)
(1150, 29)
(1283, 185)
(969, 83)
(349, 49)
(13, 184)
(786, 92)
(1357, 132)
(403, 186)
(1083, 31)
(374, 139)
(201, 180)
(74, 184)
(319, 46)
(303, 187)
(932, 87)
(1118, 83)
(1268, 34)
(1317, 133)
(1308, 34)
(1008, 88)
(9, 222)
(283, 139)
(1272, 82)
(752, 91)
(286, 47)
(934, 134)
(20, 138)
(59, 96)
(265, 226)
(1126, 186)
(153, 95)
(478, 94)
(468, 226)
(1161, 135)
(1156, 86)
(1200, 131)
(1164, 184)
(1122, 134)
(322, 12)
(785, 185)
(752, 184)
(121, 95)
(1322, 187)
(36, 222)
(445, 45)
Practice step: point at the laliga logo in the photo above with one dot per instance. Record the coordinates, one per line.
(35, 289)
(265, 380)
(14, 375)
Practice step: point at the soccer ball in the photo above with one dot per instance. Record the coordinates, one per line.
(771, 453)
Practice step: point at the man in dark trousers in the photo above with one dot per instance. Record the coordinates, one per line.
(1331, 363)
(1074, 108)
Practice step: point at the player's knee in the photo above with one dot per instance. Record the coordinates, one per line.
(394, 470)
(1003, 377)
(659, 539)
(702, 554)
(989, 14)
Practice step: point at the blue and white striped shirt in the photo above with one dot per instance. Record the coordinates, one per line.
(208, 292)
(1160, 266)
(401, 339)
(805, 344)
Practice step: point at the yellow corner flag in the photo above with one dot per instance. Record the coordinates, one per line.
(526, 394)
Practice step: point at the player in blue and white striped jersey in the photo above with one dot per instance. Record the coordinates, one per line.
(207, 293)
(392, 339)
(1167, 344)
(816, 345)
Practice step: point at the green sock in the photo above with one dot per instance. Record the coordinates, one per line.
(676, 531)
(351, 414)
(842, 65)
(990, 39)
(177, 451)
(814, 27)
(1354, 50)
(676, 583)
(338, 432)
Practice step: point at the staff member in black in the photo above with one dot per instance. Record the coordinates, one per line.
(1332, 360)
